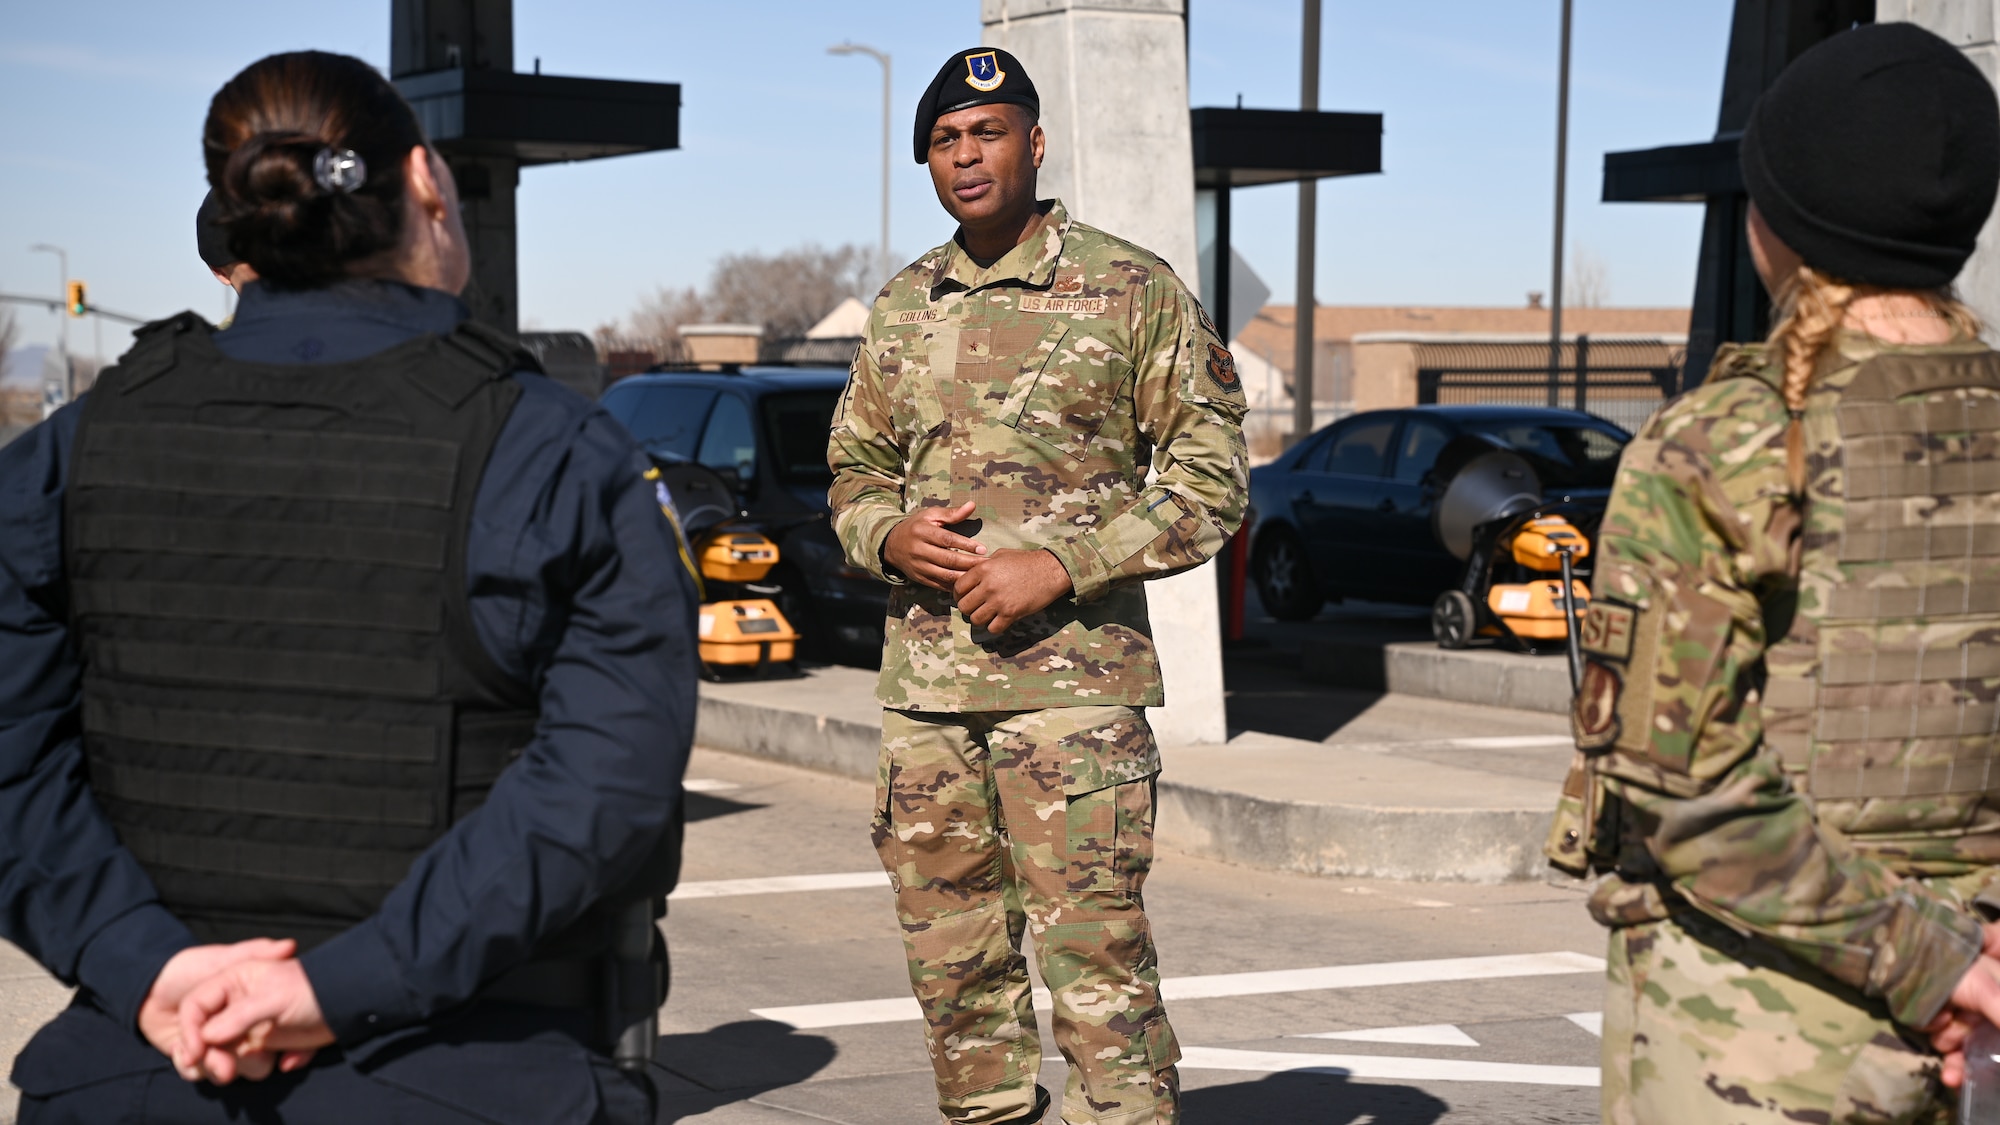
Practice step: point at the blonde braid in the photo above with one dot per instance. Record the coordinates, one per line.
(1811, 307)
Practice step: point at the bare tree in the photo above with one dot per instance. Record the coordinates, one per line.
(1589, 282)
(10, 332)
(784, 293)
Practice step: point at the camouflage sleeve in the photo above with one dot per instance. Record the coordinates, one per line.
(1695, 544)
(1190, 406)
(868, 467)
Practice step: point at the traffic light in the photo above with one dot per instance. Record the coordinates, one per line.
(77, 305)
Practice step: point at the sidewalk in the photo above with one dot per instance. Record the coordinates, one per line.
(1402, 786)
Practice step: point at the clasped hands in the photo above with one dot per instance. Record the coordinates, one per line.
(993, 589)
(223, 1012)
(1975, 1000)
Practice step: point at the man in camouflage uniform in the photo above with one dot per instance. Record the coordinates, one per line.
(1788, 760)
(990, 461)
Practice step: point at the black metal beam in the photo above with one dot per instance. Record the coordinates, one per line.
(542, 118)
(1242, 147)
(1674, 173)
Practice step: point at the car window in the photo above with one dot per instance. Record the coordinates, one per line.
(730, 442)
(1417, 450)
(1362, 449)
(1564, 456)
(664, 419)
(798, 422)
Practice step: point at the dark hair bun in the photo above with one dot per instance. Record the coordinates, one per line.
(265, 130)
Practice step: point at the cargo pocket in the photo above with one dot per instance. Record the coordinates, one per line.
(1109, 777)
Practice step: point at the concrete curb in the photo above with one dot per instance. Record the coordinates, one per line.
(1484, 676)
(1426, 845)
(1429, 844)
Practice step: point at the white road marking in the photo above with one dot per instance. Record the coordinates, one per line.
(1389, 1066)
(707, 785)
(806, 1017)
(781, 884)
(1592, 1022)
(1426, 1035)
(1432, 903)
(1491, 742)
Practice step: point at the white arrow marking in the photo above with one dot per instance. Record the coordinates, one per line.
(1427, 1035)
(780, 884)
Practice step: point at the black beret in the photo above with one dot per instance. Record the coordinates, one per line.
(1876, 157)
(211, 239)
(978, 76)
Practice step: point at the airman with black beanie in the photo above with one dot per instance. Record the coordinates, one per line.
(1786, 729)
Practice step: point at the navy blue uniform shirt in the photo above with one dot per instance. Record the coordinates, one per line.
(576, 589)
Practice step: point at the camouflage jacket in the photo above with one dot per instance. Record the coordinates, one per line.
(1042, 388)
(1708, 567)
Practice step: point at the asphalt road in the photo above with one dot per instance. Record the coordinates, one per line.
(1318, 1001)
(1314, 1001)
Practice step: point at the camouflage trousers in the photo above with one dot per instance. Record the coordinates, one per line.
(996, 824)
(1702, 1025)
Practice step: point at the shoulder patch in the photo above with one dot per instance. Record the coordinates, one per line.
(1205, 322)
(1607, 630)
(1222, 369)
(1594, 716)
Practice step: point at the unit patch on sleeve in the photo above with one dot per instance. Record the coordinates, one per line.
(1222, 370)
(1608, 629)
(1594, 717)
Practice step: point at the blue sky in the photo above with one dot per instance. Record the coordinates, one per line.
(100, 139)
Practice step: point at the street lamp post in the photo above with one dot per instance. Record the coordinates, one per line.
(887, 134)
(1562, 181)
(62, 313)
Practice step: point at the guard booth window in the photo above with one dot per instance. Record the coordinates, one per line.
(730, 442)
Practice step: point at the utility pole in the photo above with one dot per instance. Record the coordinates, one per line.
(1562, 182)
(62, 323)
(888, 132)
(1302, 340)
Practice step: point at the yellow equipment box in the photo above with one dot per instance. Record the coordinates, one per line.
(745, 632)
(1539, 544)
(735, 556)
(1534, 610)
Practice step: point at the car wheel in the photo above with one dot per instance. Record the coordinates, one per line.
(1452, 621)
(1284, 577)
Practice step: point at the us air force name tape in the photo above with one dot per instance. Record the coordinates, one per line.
(979, 76)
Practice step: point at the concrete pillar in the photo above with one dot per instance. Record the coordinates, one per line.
(1113, 80)
(1971, 26)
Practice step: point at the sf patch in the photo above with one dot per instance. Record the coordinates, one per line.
(1608, 629)
(1222, 370)
(1594, 717)
(983, 73)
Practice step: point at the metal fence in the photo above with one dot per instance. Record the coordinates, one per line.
(1622, 380)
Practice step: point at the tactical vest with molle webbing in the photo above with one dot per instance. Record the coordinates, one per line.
(1883, 698)
(284, 699)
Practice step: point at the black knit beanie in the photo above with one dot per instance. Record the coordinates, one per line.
(1876, 156)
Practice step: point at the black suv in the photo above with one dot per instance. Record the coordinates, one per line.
(764, 430)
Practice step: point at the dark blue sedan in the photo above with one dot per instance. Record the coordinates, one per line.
(1346, 513)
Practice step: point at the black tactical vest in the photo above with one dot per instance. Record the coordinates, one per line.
(284, 700)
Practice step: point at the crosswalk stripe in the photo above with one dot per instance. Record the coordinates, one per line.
(852, 1012)
(1426, 1035)
(707, 785)
(1592, 1022)
(1388, 1066)
(780, 884)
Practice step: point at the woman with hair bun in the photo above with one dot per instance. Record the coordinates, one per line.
(1789, 762)
(346, 678)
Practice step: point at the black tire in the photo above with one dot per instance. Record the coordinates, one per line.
(1452, 619)
(1284, 576)
(795, 601)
